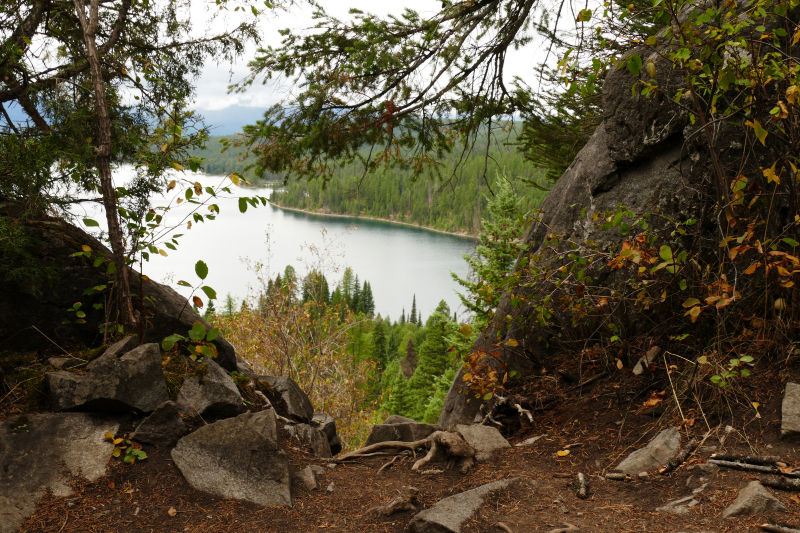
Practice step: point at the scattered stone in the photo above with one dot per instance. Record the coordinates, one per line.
(643, 475)
(790, 411)
(450, 514)
(530, 441)
(563, 510)
(163, 427)
(753, 499)
(318, 470)
(66, 363)
(660, 450)
(704, 469)
(315, 439)
(309, 478)
(237, 458)
(37, 450)
(400, 431)
(676, 507)
(331, 487)
(112, 383)
(209, 392)
(298, 406)
(332, 465)
(485, 439)
(644, 362)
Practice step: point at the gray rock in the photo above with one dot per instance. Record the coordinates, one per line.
(309, 478)
(790, 411)
(298, 406)
(677, 506)
(336, 445)
(398, 419)
(315, 439)
(37, 450)
(704, 469)
(135, 381)
(753, 499)
(318, 470)
(660, 450)
(244, 368)
(212, 395)
(485, 439)
(450, 514)
(331, 487)
(237, 458)
(66, 363)
(400, 431)
(163, 427)
(325, 423)
(118, 349)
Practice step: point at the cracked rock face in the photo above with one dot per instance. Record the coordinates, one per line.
(38, 452)
(113, 383)
(237, 458)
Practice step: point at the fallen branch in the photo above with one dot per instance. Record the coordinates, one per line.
(390, 463)
(754, 468)
(362, 452)
(570, 528)
(768, 460)
(616, 476)
(404, 501)
(583, 486)
(781, 483)
(679, 458)
(778, 529)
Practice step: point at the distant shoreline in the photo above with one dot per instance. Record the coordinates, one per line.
(365, 217)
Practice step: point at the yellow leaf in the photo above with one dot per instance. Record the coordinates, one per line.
(619, 364)
(756, 405)
(162, 252)
(796, 37)
(177, 166)
(769, 173)
(109, 436)
(117, 441)
(752, 268)
(562, 453)
(172, 511)
(760, 132)
(164, 148)
(198, 189)
(171, 185)
(512, 342)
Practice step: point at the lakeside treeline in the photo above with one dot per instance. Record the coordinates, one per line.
(454, 203)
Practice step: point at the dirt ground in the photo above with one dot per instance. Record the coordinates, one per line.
(599, 424)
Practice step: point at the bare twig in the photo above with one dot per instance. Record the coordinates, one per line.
(269, 404)
(679, 458)
(390, 463)
(751, 459)
(753, 468)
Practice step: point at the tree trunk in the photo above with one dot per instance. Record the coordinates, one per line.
(103, 151)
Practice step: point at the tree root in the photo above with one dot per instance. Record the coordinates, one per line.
(443, 444)
(404, 501)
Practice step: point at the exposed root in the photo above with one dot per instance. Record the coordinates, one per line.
(404, 501)
(452, 447)
(390, 463)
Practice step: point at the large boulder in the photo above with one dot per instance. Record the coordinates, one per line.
(237, 458)
(313, 438)
(450, 514)
(753, 499)
(113, 382)
(209, 391)
(38, 452)
(790, 411)
(45, 305)
(484, 439)
(298, 406)
(163, 427)
(400, 431)
(327, 424)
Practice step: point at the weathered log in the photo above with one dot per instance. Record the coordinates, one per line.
(767, 460)
(679, 458)
(781, 483)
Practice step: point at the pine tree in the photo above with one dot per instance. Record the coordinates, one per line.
(403, 317)
(380, 343)
(366, 303)
(432, 359)
(495, 254)
(210, 310)
(356, 301)
(413, 317)
(230, 305)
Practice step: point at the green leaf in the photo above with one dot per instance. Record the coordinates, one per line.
(665, 253)
(90, 223)
(213, 334)
(211, 293)
(201, 269)
(682, 284)
(242, 205)
(790, 242)
(691, 302)
(635, 64)
(198, 332)
(184, 283)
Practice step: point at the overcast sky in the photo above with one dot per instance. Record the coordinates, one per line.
(212, 88)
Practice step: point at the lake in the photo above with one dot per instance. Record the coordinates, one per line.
(398, 261)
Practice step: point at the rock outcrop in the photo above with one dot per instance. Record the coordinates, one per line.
(113, 382)
(484, 439)
(38, 452)
(163, 427)
(298, 406)
(45, 306)
(209, 392)
(400, 428)
(237, 458)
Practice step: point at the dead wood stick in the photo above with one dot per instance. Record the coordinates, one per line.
(679, 458)
(745, 466)
(778, 529)
(570, 528)
(583, 486)
(767, 460)
(616, 476)
(583, 384)
(522, 411)
(782, 483)
(504, 527)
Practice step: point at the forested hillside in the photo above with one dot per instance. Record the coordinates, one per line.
(453, 203)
